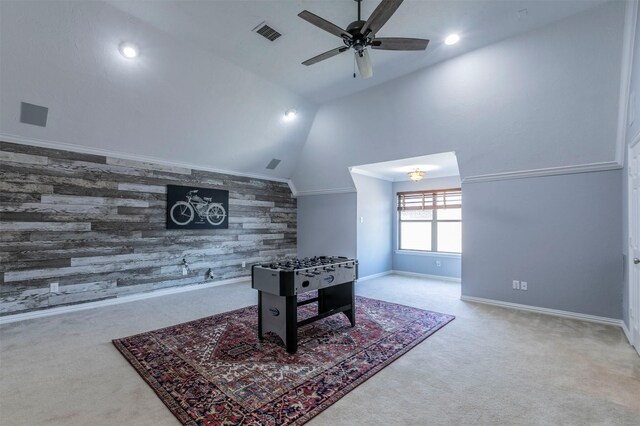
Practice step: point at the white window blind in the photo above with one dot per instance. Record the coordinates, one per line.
(430, 200)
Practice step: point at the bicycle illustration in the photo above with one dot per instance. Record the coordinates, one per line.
(183, 212)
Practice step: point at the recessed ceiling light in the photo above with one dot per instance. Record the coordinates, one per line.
(290, 115)
(451, 39)
(129, 50)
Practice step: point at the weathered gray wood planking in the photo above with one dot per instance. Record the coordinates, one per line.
(96, 226)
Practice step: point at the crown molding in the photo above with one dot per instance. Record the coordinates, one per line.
(360, 171)
(345, 190)
(42, 143)
(549, 171)
(292, 187)
(370, 174)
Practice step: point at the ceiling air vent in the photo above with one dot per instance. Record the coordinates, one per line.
(266, 31)
(33, 114)
(273, 164)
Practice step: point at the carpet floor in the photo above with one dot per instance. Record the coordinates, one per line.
(215, 371)
(490, 366)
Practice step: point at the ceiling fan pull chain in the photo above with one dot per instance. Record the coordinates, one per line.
(354, 63)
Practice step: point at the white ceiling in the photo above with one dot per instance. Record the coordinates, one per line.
(206, 91)
(224, 28)
(434, 166)
(175, 103)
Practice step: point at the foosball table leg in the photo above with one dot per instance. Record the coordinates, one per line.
(351, 313)
(291, 333)
(260, 336)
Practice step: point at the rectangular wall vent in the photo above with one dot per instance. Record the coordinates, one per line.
(273, 164)
(33, 114)
(266, 31)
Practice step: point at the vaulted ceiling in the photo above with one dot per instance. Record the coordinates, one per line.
(224, 28)
(206, 90)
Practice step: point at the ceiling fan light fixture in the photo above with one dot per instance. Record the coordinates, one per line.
(290, 114)
(128, 50)
(364, 63)
(451, 39)
(416, 175)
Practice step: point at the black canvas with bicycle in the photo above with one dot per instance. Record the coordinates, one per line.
(197, 208)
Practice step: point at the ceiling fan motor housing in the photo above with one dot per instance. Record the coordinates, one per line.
(358, 40)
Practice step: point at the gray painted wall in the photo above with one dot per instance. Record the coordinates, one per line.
(327, 225)
(561, 234)
(374, 224)
(450, 266)
(547, 98)
(97, 226)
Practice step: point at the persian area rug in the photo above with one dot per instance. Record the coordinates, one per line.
(215, 371)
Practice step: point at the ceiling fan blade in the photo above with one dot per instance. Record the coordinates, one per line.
(380, 16)
(325, 55)
(324, 24)
(364, 64)
(396, 43)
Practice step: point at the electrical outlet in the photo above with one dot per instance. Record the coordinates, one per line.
(244, 264)
(53, 287)
(516, 285)
(523, 285)
(438, 263)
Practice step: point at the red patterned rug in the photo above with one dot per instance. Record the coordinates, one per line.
(214, 371)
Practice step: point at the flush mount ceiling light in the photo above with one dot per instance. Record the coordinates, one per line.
(416, 175)
(290, 115)
(451, 39)
(128, 50)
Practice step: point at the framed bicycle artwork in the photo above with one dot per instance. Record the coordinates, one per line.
(197, 208)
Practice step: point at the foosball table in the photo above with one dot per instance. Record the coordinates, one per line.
(280, 283)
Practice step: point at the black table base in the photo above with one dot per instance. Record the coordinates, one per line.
(279, 314)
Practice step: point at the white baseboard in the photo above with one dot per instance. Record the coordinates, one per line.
(372, 276)
(627, 333)
(545, 311)
(116, 300)
(428, 276)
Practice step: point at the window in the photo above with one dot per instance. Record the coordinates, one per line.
(430, 220)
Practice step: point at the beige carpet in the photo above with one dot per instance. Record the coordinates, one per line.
(490, 366)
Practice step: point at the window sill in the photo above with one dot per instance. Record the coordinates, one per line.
(429, 253)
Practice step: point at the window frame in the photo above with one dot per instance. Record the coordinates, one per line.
(434, 218)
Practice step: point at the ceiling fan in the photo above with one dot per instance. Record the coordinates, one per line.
(362, 34)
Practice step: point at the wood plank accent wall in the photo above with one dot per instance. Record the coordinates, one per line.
(96, 225)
